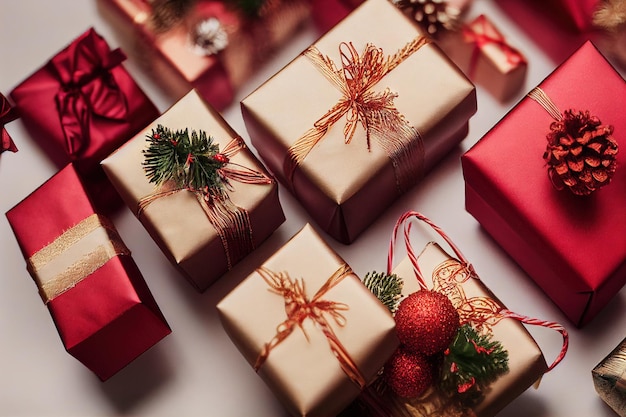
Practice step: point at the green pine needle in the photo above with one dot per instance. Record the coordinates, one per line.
(387, 288)
(474, 368)
(188, 160)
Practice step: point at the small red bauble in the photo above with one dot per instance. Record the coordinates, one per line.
(408, 374)
(221, 158)
(426, 322)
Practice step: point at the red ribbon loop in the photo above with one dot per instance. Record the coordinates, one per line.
(87, 88)
(7, 114)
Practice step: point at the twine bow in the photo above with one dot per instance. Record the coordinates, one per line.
(232, 223)
(87, 88)
(482, 33)
(7, 114)
(374, 111)
(299, 307)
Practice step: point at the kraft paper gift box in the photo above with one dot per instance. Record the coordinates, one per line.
(99, 302)
(526, 361)
(82, 105)
(491, 358)
(215, 65)
(609, 379)
(308, 121)
(486, 57)
(203, 240)
(317, 362)
(572, 246)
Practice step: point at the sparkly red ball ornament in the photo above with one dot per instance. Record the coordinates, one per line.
(426, 322)
(408, 374)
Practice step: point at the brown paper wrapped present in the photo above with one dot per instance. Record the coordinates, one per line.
(204, 239)
(363, 112)
(609, 379)
(312, 330)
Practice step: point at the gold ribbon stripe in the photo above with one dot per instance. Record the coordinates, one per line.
(74, 255)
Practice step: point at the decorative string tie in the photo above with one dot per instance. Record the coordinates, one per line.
(87, 88)
(482, 33)
(178, 161)
(7, 115)
(581, 151)
(298, 308)
(359, 104)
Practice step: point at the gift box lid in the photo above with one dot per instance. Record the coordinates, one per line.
(567, 243)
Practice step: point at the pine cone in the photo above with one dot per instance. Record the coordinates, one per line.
(580, 153)
(434, 16)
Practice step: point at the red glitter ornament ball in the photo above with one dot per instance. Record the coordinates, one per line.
(426, 322)
(408, 374)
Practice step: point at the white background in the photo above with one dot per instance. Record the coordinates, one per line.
(196, 370)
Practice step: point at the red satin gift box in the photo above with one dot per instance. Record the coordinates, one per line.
(573, 247)
(83, 104)
(105, 315)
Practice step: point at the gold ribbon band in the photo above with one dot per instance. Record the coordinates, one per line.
(74, 255)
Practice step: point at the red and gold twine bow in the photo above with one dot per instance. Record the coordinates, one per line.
(482, 33)
(7, 114)
(375, 111)
(232, 223)
(480, 312)
(299, 307)
(87, 88)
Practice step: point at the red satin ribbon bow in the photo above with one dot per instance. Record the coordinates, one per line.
(87, 88)
(7, 114)
(482, 33)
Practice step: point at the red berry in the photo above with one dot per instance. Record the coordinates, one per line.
(408, 374)
(156, 136)
(426, 322)
(220, 157)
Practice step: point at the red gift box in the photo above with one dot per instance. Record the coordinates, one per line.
(572, 246)
(83, 104)
(98, 300)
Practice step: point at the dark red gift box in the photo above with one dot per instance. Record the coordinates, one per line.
(106, 315)
(573, 247)
(83, 104)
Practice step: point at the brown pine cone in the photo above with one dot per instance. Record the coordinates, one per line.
(580, 153)
(434, 16)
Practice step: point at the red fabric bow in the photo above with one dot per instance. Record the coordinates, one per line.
(87, 88)
(7, 114)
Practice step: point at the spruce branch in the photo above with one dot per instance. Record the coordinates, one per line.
(191, 161)
(472, 362)
(387, 288)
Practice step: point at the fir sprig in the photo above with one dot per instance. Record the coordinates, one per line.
(191, 161)
(387, 288)
(471, 363)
